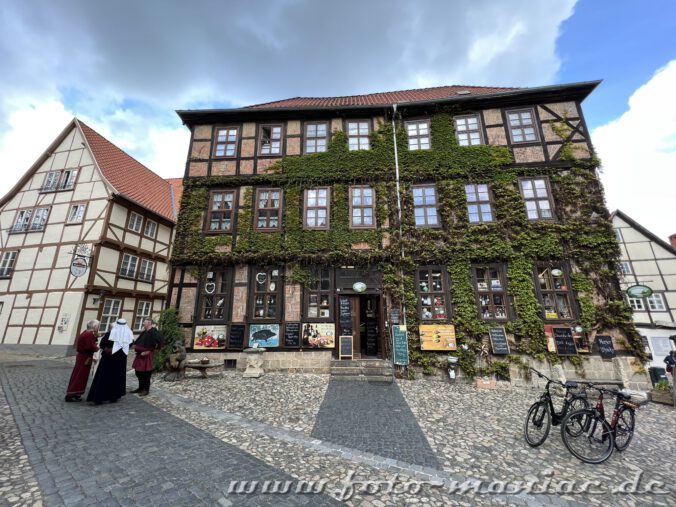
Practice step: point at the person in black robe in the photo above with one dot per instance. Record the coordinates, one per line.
(110, 379)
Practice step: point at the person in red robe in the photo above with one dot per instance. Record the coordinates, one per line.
(145, 346)
(85, 345)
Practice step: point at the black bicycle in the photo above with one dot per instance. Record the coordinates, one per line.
(542, 414)
(590, 437)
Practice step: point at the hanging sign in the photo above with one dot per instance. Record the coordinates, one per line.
(359, 287)
(79, 266)
(639, 291)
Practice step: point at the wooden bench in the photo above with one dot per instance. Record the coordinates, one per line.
(203, 368)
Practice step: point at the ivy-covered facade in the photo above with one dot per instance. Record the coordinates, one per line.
(449, 210)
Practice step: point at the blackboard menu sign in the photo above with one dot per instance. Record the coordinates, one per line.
(395, 316)
(292, 334)
(498, 338)
(345, 342)
(371, 338)
(563, 339)
(606, 348)
(345, 315)
(236, 340)
(400, 345)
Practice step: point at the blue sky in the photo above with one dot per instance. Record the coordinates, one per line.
(123, 67)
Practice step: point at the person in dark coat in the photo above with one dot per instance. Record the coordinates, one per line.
(110, 379)
(85, 345)
(145, 346)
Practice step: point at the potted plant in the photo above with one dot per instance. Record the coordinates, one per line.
(661, 393)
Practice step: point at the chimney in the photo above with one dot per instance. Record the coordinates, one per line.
(672, 240)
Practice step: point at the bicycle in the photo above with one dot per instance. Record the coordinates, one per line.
(541, 414)
(590, 437)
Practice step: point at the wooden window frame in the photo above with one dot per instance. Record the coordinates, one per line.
(7, 263)
(278, 292)
(417, 137)
(314, 138)
(362, 207)
(126, 274)
(325, 296)
(140, 276)
(70, 209)
(232, 212)
(105, 318)
(359, 136)
(140, 224)
(29, 225)
(258, 210)
(537, 199)
(521, 126)
(467, 131)
(432, 295)
(478, 202)
(222, 278)
(307, 208)
(488, 291)
(425, 206)
(61, 180)
(554, 291)
(145, 229)
(271, 140)
(227, 142)
(140, 317)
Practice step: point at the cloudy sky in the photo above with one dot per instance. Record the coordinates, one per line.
(123, 67)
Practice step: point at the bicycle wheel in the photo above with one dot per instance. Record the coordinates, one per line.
(578, 403)
(624, 430)
(538, 422)
(587, 436)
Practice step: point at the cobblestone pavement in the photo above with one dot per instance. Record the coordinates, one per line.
(266, 425)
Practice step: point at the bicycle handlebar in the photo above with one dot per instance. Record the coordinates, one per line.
(550, 380)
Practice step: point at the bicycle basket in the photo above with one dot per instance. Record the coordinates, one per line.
(637, 397)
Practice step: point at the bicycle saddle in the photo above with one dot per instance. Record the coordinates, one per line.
(571, 384)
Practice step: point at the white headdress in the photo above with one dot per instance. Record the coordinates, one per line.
(121, 336)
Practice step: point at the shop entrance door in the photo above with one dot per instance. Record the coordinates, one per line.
(360, 316)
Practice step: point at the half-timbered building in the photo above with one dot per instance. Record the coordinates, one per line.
(85, 234)
(316, 227)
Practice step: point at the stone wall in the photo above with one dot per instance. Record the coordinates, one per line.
(316, 361)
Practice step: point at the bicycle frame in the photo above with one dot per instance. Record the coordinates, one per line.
(619, 401)
(557, 417)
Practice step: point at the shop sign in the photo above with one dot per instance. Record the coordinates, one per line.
(437, 337)
(79, 266)
(359, 287)
(639, 291)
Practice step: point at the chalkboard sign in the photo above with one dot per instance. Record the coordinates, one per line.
(371, 338)
(400, 345)
(345, 342)
(498, 338)
(606, 348)
(236, 340)
(292, 334)
(395, 316)
(345, 315)
(563, 339)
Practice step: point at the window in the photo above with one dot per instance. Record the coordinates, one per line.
(554, 292)
(425, 206)
(23, 218)
(111, 312)
(268, 209)
(75, 214)
(618, 235)
(143, 309)
(214, 296)
(625, 267)
(522, 126)
(128, 268)
(315, 137)
(317, 208)
(468, 130)
(636, 304)
(358, 135)
(146, 271)
(135, 221)
(30, 220)
(7, 264)
(68, 179)
(271, 139)
(656, 303)
(39, 219)
(362, 207)
(319, 294)
(432, 293)
(537, 197)
(418, 134)
(51, 181)
(479, 208)
(150, 230)
(491, 292)
(266, 294)
(225, 144)
(59, 180)
(220, 211)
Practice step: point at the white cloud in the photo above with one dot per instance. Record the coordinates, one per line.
(638, 152)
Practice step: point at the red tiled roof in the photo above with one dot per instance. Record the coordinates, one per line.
(128, 176)
(177, 189)
(384, 98)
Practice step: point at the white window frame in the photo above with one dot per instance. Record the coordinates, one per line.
(358, 132)
(418, 132)
(468, 130)
(656, 302)
(23, 219)
(479, 203)
(39, 219)
(146, 269)
(110, 313)
(143, 310)
(76, 214)
(7, 262)
(636, 304)
(51, 182)
(67, 181)
(316, 137)
(271, 144)
(129, 260)
(150, 229)
(625, 268)
(533, 198)
(521, 130)
(135, 222)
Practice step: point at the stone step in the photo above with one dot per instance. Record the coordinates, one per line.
(359, 371)
(366, 378)
(371, 370)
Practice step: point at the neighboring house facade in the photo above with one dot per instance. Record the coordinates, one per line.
(649, 261)
(85, 234)
(462, 212)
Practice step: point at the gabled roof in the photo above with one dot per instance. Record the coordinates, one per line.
(385, 98)
(176, 193)
(129, 177)
(643, 230)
